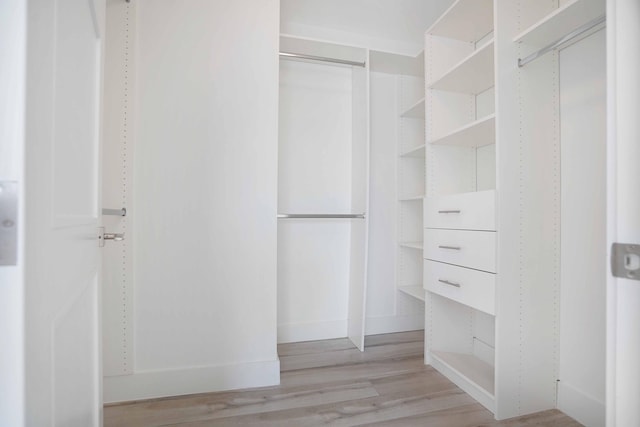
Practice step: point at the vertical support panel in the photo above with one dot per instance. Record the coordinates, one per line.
(527, 181)
(117, 186)
(359, 203)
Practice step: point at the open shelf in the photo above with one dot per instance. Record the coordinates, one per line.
(416, 111)
(412, 198)
(414, 152)
(476, 134)
(561, 22)
(474, 74)
(412, 245)
(392, 63)
(469, 373)
(413, 291)
(465, 20)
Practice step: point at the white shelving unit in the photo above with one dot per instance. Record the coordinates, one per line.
(561, 21)
(461, 138)
(411, 179)
(475, 134)
(492, 311)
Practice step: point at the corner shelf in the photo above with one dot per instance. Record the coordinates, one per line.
(413, 291)
(469, 373)
(561, 21)
(474, 74)
(412, 245)
(414, 152)
(476, 134)
(465, 20)
(416, 111)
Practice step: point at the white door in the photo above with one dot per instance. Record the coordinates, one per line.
(623, 206)
(61, 213)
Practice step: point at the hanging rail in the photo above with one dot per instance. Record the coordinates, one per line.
(321, 216)
(115, 212)
(322, 59)
(572, 35)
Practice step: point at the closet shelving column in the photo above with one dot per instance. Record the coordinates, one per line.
(411, 178)
(459, 210)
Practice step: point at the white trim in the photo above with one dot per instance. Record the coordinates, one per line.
(392, 324)
(312, 331)
(175, 382)
(583, 408)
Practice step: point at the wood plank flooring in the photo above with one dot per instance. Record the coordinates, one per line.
(332, 383)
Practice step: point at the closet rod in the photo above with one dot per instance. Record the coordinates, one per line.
(322, 59)
(116, 212)
(321, 216)
(572, 35)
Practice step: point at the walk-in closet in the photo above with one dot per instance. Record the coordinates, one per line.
(434, 166)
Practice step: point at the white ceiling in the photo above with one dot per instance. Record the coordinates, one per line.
(399, 23)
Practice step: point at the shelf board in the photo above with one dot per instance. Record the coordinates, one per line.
(412, 245)
(411, 198)
(392, 63)
(414, 152)
(474, 74)
(469, 373)
(413, 291)
(466, 20)
(476, 134)
(561, 22)
(416, 111)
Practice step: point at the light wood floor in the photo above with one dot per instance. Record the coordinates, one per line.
(332, 383)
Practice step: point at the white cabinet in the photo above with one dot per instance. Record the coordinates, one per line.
(472, 249)
(466, 211)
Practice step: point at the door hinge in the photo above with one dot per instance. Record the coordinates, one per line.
(625, 260)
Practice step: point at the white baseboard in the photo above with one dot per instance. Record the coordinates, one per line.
(583, 408)
(149, 385)
(312, 331)
(391, 324)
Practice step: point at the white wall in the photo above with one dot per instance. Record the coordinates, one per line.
(314, 176)
(581, 390)
(13, 34)
(205, 198)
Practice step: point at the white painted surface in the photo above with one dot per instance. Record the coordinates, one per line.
(583, 235)
(117, 187)
(62, 146)
(205, 205)
(360, 178)
(314, 176)
(386, 25)
(623, 209)
(13, 41)
(387, 309)
(472, 249)
(477, 211)
(474, 288)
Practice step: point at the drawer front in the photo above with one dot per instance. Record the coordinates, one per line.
(465, 211)
(469, 287)
(473, 249)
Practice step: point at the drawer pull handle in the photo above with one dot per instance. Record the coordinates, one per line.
(446, 282)
(450, 212)
(454, 248)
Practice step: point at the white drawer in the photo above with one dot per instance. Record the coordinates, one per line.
(469, 287)
(473, 249)
(464, 211)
